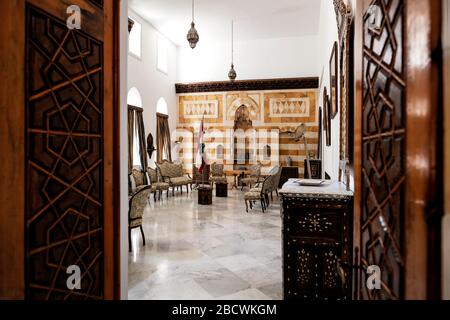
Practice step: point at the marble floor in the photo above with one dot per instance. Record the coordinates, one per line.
(207, 252)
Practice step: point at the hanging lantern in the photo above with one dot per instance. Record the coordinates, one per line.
(232, 73)
(192, 36)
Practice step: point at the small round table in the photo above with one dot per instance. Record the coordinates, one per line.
(205, 195)
(221, 189)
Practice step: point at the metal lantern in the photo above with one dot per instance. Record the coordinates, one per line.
(232, 73)
(192, 36)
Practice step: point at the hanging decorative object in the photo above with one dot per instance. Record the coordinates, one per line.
(232, 73)
(192, 35)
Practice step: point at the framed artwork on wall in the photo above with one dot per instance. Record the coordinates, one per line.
(326, 117)
(319, 145)
(334, 81)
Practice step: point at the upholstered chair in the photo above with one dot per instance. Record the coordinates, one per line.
(251, 197)
(137, 181)
(254, 178)
(272, 184)
(156, 182)
(174, 175)
(217, 174)
(138, 202)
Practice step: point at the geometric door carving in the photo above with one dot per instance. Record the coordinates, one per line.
(383, 149)
(64, 169)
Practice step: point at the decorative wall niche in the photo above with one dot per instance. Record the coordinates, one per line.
(237, 100)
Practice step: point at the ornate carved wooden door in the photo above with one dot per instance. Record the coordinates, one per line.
(61, 129)
(397, 105)
(383, 150)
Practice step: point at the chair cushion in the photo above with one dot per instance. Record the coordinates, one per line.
(171, 170)
(138, 177)
(160, 185)
(136, 223)
(217, 170)
(153, 175)
(180, 181)
(252, 195)
(258, 190)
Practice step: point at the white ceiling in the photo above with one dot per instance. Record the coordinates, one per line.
(254, 19)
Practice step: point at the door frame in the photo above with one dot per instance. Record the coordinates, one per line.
(446, 221)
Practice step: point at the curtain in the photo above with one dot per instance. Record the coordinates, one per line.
(163, 138)
(141, 139)
(130, 138)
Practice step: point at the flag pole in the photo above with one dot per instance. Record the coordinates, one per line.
(202, 126)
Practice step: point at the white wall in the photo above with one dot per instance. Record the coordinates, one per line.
(152, 83)
(328, 34)
(257, 59)
(123, 151)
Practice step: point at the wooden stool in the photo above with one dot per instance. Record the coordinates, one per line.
(205, 196)
(221, 189)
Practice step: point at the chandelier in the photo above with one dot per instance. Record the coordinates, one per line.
(192, 36)
(232, 73)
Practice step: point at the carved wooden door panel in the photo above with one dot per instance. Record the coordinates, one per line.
(383, 149)
(399, 182)
(67, 143)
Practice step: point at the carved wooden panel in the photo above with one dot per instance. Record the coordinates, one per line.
(383, 147)
(98, 3)
(64, 123)
(248, 85)
(317, 234)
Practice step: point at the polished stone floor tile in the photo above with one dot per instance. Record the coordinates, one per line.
(238, 262)
(275, 290)
(206, 252)
(248, 294)
(223, 282)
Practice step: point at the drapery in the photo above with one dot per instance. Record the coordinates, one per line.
(131, 122)
(141, 136)
(136, 131)
(163, 138)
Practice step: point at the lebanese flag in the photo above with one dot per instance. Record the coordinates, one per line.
(200, 160)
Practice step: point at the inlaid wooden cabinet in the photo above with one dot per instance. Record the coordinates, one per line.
(317, 244)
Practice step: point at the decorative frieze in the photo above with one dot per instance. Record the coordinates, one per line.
(289, 107)
(197, 109)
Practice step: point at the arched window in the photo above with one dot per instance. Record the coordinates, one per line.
(161, 106)
(219, 152)
(267, 152)
(134, 98)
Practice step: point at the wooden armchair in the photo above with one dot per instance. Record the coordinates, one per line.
(253, 178)
(260, 195)
(217, 174)
(156, 182)
(137, 204)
